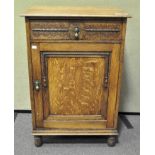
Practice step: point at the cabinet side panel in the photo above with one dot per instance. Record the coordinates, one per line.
(29, 58)
(121, 59)
(114, 73)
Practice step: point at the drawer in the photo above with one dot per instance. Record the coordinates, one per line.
(76, 30)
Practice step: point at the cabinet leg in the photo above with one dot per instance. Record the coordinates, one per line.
(111, 141)
(38, 141)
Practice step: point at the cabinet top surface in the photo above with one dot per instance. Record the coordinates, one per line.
(74, 12)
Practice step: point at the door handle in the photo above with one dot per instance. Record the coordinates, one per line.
(37, 85)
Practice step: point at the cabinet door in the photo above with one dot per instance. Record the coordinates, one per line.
(72, 82)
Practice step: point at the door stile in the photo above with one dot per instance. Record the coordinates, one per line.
(36, 83)
(45, 94)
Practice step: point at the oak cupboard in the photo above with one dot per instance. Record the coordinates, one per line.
(75, 58)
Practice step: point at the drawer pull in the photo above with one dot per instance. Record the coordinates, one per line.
(77, 30)
(50, 30)
(102, 30)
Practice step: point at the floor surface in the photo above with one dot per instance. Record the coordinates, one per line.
(128, 141)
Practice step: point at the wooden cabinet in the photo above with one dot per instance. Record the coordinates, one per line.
(75, 60)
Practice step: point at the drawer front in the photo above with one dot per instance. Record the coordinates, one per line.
(101, 31)
(55, 30)
(76, 30)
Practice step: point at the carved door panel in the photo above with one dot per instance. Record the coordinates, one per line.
(74, 86)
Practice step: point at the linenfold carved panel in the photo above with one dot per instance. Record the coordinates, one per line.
(76, 83)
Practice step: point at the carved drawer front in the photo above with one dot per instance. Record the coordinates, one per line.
(100, 30)
(76, 30)
(55, 30)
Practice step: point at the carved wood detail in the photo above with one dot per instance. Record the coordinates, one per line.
(49, 30)
(65, 30)
(102, 30)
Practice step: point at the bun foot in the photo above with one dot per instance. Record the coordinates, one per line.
(111, 141)
(38, 141)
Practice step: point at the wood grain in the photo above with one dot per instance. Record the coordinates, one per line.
(75, 46)
(112, 97)
(79, 86)
(37, 76)
(76, 85)
(121, 60)
(74, 132)
(74, 12)
(72, 124)
(75, 117)
(29, 58)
